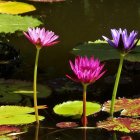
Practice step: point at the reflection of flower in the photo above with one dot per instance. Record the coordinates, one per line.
(41, 37)
(126, 138)
(122, 41)
(86, 70)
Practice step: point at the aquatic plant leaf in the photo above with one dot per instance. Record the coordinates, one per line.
(7, 98)
(15, 110)
(11, 115)
(120, 124)
(101, 49)
(15, 87)
(9, 7)
(75, 108)
(4, 129)
(3, 137)
(12, 23)
(47, 0)
(128, 107)
(67, 124)
(18, 119)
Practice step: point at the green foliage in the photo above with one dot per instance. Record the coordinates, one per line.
(128, 107)
(15, 7)
(11, 88)
(17, 115)
(75, 108)
(100, 49)
(12, 23)
(120, 124)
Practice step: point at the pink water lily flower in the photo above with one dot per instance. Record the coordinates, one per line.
(86, 70)
(41, 37)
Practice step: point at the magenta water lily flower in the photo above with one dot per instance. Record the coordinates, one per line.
(122, 40)
(86, 70)
(41, 37)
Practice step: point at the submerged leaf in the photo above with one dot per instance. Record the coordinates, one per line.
(120, 124)
(12, 23)
(73, 108)
(106, 51)
(15, 87)
(128, 107)
(15, 7)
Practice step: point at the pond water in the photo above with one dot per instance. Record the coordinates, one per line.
(75, 21)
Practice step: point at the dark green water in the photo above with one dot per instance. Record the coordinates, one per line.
(75, 21)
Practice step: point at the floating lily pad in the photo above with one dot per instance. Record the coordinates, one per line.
(17, 119)
(66, 124)
(15, 7)
(128, 107)
(75, 108)
(102, 50)
(15, 87)
(12, 23)
(120, 124)
(11, 115)
(8, 129)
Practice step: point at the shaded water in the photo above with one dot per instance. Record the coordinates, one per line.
(76, 21)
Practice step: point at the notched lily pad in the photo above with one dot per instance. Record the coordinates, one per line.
(106, 51)
(12, 23)
(120, 124)
(75, 108)
(11, 115)
(15, 87)
(128, 107)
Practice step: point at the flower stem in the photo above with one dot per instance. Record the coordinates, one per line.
(116, 85)
(84, 118)
(35, 85)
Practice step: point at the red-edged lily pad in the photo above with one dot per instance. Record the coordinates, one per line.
(8, 129)
(120, 124)
(128, 107)
(126, 138)
(66, 124)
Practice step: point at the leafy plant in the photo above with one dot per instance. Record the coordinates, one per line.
(74, 108)
(128, 107)
(120, 124)
(106, 52)
(12, 87)
(9, 7)
(11, 115)
(12, 23)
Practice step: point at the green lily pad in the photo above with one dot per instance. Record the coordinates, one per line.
(12, 23)
(11, 115)
(15, 87)
(15, 7)
(120, 124)
(128, 107)
(75, 108)
(16, 119)
(102, 50)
